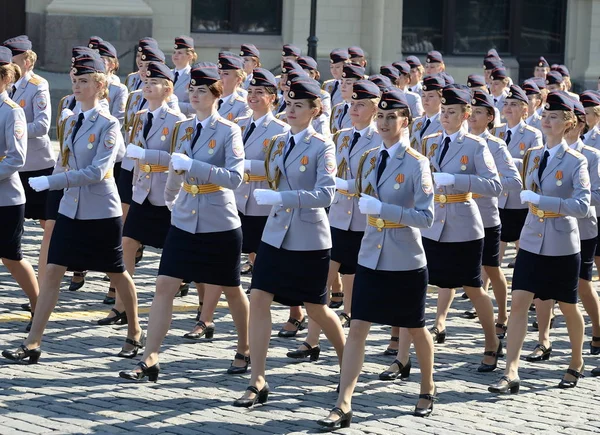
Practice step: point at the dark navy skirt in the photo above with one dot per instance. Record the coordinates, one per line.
(513, 220)
(390, 298)
(125, 185)
(211, 258)
(252, 230)
(491, 247)
(453, 265)
(345, 249)
(588, 249)
(293, 277)
(35, 205)
(597, 254)
(93, 244)
(12, 218)
(53, 204)
(147, 223)
(547, 277)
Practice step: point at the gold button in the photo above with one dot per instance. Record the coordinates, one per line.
(541, 220)
(506, 194)
(378, 246)
(193, 211)
(441, 190)
(349, 212)
(246, 196)
(441, 205)
(286, 227)
(287, 210)
(75, 199)
(147, 176)
(192, 179)
(540, 235)
(348, 198)
(442, 221)
(147, 190)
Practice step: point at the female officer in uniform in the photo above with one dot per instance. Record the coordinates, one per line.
(588, 233)
(519, 137)
(293, 257)
(13, 148)
(257, 131)
(591, 104)
(462, 165)
(204, 241)
(347, 224)
(149, 218)
(337, 59)
(416, 75)
(535, 98)
(340, 116)
(309, 65)
(117, 92)
(233, 102)
(251, 57)
(134, 80)
(88, 210)
(32, 94)
(434, 63)
(429, 123)
(397, 197)
(183, 57)
(414, 99)
(557, 186)
(480, 120)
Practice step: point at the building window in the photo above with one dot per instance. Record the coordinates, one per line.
(471, 27)
(236, 16)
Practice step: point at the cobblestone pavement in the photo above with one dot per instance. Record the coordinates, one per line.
(75, 388)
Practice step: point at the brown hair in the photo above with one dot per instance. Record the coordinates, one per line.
(492, 112)
(10, 73)
(273, 91)
(570, 119)
(114, 64)
(257, 61)
(466, 108)
(216, 89)
(316, 104)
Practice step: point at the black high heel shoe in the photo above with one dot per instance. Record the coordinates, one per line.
(345, 320)
(206, 331)
(139, 254)
(23, 353)
(576, 374)
(137, 345)
(403, 371)
(117, 319)
(535, 325)
(438, 336)
(77, 285)
(426, 412)
(110, 300)
(183, 291)
(390, 351)
(299, 324)
(336, 304)
(485, 368)
(26, 307)
(259, 396)
(536, 357)
(595, 350)
(150, 372)
(344, 420)
(312, 352)
(234, 370)
(504, 328)
(199, 311)
(504, 385)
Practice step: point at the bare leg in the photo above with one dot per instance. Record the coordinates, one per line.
(395, 333)
(239, 307)
(200, 289)
(334, 280)
(212, 294)
(295, 313)
(485, 311)
(589, 299)
(260, 334)
(126, 288)
(543, 310)
(161, 314)
(24, 274)
(130, 248)
(331, 325)
(404, 341)
(424, 350)
(348, 284)
(47, 299)
(445, 297)
(43, 258)
(575, 328)
(500, 288)
(502, 250)
(517, 329)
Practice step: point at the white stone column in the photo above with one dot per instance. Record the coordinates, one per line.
(583, 41)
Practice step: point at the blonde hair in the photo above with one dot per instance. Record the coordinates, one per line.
(113, 62)
(316, 104)
(596, 110)
(467, 108)
(192, 52)
(571, 120)
(168, 84)
(10, 73)
(30, 56)
(103, 81)
(241, 74)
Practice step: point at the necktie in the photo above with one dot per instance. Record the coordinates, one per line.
(582, 137)
(13, 91)
(77, 127)
(290, 148)
(249, 132)
(427, 124)
(543, 164)
(495, 101)
(139, 82)
(335, 88)
(282, 107)
(343, 114)
(508, 136)
(148, 125)
(197, 134)
(445, 150)
(72, 103)
(176, 77)
(354, 140)
(382, 164)
(143, 103)
(220, 104)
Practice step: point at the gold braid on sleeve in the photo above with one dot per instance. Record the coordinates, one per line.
(359, 175)
(273, 181)
(61, 140)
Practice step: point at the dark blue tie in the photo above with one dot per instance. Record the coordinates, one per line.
(77, 126)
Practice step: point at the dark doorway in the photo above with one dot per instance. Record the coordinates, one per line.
(12, 19)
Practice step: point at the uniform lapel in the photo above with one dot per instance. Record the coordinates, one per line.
(393, 163)
(207, 133)
(300, 147)
(260, 130)
(454, 148)
(87, 124)
(366, 138)
(158, 121)
(555, 161)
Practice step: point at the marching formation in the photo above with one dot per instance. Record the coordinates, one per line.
(357, 193)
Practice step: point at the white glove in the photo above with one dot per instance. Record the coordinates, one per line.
(181, 162)
(135, 152)
(65, 114)
(443, 179)
(369, 205)
(340, 183)
(247, 165)
(170, 204)
(39, 183)
(529, 196)
(267, 197)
